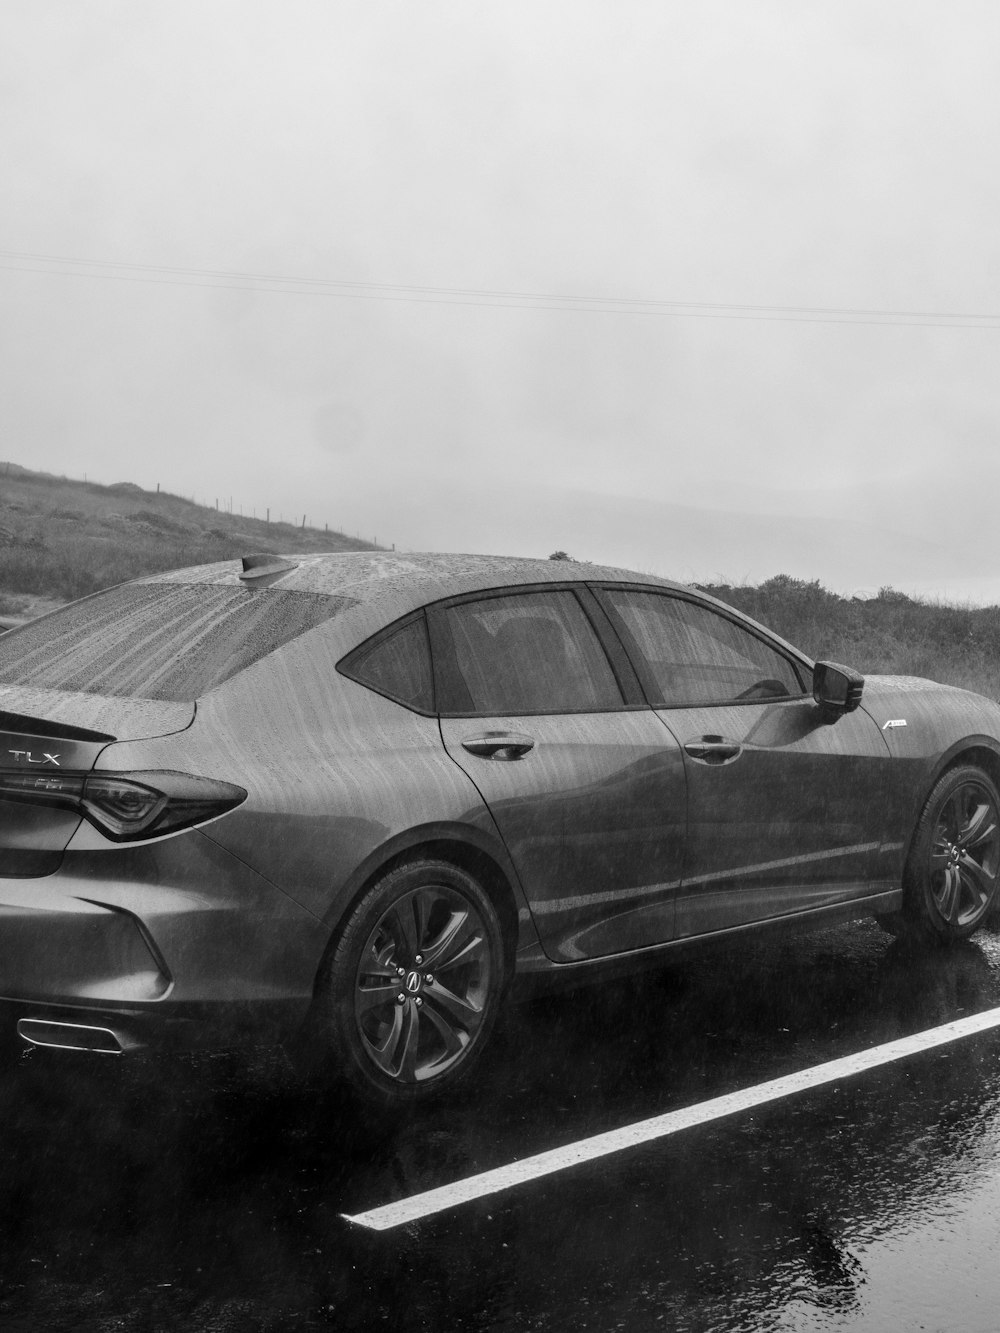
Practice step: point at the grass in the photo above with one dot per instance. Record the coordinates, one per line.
(61, 539)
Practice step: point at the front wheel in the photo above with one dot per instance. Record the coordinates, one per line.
(953, 869)
(411, 989)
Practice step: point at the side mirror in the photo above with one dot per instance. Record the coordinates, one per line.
(837, 689)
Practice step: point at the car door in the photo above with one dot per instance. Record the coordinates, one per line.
(585, 785)
(785, 807)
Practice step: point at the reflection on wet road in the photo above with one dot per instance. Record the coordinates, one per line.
(207, 1196)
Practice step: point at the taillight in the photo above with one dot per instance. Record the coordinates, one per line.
(121, 806)
(127, 806)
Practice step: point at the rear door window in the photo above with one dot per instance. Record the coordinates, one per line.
(521, 653)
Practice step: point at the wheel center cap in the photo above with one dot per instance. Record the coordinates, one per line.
(413, 982)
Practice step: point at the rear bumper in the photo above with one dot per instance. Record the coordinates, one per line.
(108, 1030)
(175, 943)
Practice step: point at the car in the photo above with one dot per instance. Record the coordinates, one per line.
(353, 800)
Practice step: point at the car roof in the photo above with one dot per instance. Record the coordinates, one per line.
(379, 587)
(398, 582)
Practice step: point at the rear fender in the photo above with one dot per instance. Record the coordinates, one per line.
(464, 846)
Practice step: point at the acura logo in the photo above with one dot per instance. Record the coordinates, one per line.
(413, 982)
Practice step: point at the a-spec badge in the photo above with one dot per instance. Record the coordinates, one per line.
(29, 757)
(894, 722)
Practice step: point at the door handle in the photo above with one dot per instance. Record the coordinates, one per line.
(499, 745)
(713, 750)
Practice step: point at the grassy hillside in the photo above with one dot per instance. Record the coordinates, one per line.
(61, 539)
(890, 633)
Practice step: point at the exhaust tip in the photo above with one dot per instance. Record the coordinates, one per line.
(73, 1036)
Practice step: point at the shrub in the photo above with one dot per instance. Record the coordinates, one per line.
(890, 634)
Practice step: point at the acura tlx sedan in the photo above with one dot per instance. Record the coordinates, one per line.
(358, 795)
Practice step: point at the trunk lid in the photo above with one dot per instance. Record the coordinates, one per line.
(111, 718)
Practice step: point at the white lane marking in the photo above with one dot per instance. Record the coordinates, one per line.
(618, 1140)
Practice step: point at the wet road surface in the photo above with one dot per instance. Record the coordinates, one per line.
(202, 1195)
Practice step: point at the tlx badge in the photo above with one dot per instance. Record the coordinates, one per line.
(29, 757)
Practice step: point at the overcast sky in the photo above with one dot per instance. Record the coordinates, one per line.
(522, 275)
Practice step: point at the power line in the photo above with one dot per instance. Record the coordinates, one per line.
(285, 284)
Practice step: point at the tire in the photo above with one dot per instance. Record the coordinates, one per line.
(950, 882)
(410, 992)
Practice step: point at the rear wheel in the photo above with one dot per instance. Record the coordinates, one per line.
(950, 883)
(411, 990)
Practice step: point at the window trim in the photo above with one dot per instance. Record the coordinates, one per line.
(635, 683)
(450, 684)
(797, 661)
(621, 663)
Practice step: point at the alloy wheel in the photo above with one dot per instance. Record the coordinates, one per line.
(423, 984)
(965, 854)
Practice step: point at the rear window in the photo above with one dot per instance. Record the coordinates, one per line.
(169, 641)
